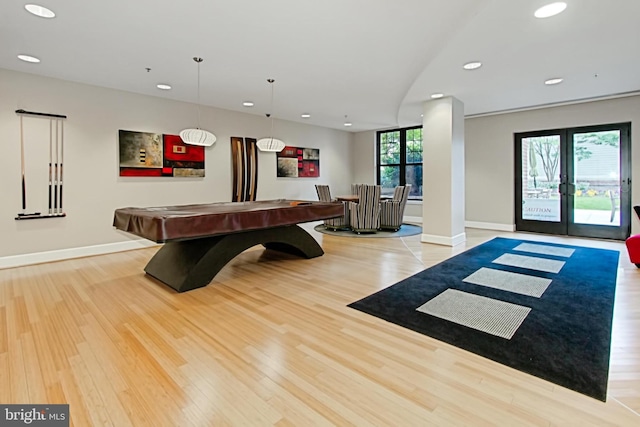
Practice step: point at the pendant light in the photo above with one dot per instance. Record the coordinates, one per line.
(198, 136)
(270, 143)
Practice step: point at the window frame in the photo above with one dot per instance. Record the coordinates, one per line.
(403, 156)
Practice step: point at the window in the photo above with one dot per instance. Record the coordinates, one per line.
(399, 160)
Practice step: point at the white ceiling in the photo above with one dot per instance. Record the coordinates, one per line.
(375, 61)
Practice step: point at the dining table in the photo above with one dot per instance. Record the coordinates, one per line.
(348, 198)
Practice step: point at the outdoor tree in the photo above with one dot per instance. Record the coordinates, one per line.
(547, 149)
(391, 159)
(610, 138)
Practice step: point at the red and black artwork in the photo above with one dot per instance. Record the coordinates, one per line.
(298, 162)
(152, 154)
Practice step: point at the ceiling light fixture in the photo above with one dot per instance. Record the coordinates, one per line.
(550, 10)
(554, 81)
(472, 65)
(198, 136)
(247, 104)
(437, 95)
(28, 58)
(305, 115)
(163, 86)
(40, 11)
(270, 143)
(346, 122)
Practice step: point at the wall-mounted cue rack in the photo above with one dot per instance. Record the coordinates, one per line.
(56, 157)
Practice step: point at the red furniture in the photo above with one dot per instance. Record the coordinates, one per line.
(633, 247)
(633, 244)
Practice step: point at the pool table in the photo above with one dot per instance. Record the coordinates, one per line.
(199, 240)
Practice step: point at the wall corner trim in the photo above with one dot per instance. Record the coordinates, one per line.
(444, 240)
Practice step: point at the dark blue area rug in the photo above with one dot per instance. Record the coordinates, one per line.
(565, 337)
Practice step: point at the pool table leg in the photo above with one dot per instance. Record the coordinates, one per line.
(190, 264)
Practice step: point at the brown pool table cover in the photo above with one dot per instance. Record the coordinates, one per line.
(170, 223)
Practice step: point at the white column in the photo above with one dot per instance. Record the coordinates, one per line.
(443, 213)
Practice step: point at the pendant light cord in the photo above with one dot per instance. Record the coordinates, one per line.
(198, 60)
(271, 113)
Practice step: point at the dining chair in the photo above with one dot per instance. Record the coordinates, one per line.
(365, 215)
(392, 211)
(338, 223)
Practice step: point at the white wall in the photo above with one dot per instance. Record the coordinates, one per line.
(364, 160)
(92, 186)
(490, 156)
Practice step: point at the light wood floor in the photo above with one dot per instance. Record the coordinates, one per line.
(271, 342)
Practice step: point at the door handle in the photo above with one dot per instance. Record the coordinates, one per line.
(562, 189)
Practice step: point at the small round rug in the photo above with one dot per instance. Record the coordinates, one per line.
(405, 230)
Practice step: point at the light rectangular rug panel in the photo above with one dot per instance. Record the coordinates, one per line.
(531, 263)
(481, 313)
(544, 249)
(523, 284)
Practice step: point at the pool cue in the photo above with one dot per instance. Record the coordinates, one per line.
(24, 184)
(55, 176)
(61, 158)
(50, 162)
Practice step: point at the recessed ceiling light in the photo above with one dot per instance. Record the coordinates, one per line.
(347, 124)
(163, 86)
(437, 95)
(472, 65)
(247, 104)
(40, 11)
(28, 58)
(554, 81)
(305, 115)
(550, 10)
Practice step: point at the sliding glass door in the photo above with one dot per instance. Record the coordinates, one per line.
(574, 181)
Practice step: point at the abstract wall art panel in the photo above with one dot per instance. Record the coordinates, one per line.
(182, 159)
(152, 154)
(298, 162)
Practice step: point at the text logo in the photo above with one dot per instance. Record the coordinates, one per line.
(34, 415)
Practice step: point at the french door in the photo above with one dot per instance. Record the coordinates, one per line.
(575, 181)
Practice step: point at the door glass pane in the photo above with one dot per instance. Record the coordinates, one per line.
(540, 170)
(596, 159)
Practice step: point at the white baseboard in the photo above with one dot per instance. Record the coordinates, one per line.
(468, 224)
(412, 219)
(62, 254)
(444, 240)
(490, 226)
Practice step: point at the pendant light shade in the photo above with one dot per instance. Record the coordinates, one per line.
(198, 136)
(270, 143)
